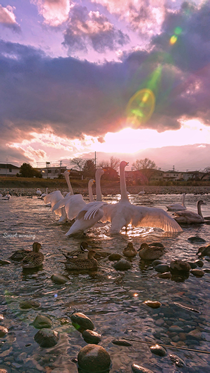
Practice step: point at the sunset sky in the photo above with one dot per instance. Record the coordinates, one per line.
(121, 78)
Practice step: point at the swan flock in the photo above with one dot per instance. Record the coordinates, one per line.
(118, 215)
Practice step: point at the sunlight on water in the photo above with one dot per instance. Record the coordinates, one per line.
(112, 299)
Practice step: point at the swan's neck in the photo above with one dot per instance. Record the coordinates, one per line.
(68, 183)
(124, 195)
(98, 186)
(199, 209)
(90, 191)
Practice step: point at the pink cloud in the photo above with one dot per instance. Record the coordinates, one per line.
(55, 12)
(8, 19)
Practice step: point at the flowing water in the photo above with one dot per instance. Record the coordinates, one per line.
(112, 299)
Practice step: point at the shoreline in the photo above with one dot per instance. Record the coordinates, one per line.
(113, 190)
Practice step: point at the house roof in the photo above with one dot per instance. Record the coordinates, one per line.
(8, 165)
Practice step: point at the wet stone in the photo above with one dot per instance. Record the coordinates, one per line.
(193, 265)
(3, 331)
(3, 371)
(27, 304)
(204, 250)
(139, 369)
(196, 239)
(164, 275)
(46, 338)
(156, 262)
(42, 322)
(199, 263)
(91, 337)
(93, 359)
(81, 322)
(1, 317)
(197, 272)
(162, 268)
(59, 279)
(177, 360)
(121, 342)
(4, 262)
(114, 257)
(122, 265)
(158, 350)
(152, 304)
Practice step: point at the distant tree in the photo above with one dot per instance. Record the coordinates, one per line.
(112, 163)
(110, 174)
(78, 162)
(207, 169)
(145, 163)
(89, 168)
(26, 170)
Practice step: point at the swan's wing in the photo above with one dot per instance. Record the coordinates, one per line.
(81, 224)
(53, 197)
(154, 217)
(109, 211)
(59, 204)
(74, 205)
(92, 210)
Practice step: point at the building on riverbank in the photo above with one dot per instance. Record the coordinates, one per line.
(8, 169)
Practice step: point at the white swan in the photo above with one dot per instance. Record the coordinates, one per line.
(73, 203)
(38, 192)
(178, 206)
(91, 213)
(44, 194)
(6, 197)
(141, 192)
(123, 213)
(190, 217)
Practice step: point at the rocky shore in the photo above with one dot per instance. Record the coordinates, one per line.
(114, 189)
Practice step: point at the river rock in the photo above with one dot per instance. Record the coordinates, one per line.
(152, 304)
(81, 322)
(196, 239)
(158, 350)
(151, 251)
(27, 304)
(139, 369)
(1, 317)
(179, 266)
(197, 272)
(164, 275)
(114, 257)
(3, 331)
(91, 337)
(3, 371)
(4, 262)
(199, 263)
(121, 342)
(156, 262)
(122, 265)
(192, 265)
(46, 338)
(93, 359)
(162, 268)
(204, 250)
(177, 360)
(59, 279)
(42, 322)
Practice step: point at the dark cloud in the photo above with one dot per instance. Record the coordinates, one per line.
(7, 19)
(77, 97)
(92, 29)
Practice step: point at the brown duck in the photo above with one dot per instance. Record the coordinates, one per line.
(89, 263)
(129, 250)
(34, 259)
(82, 252)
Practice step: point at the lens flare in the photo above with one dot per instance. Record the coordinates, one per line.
(173, 39)
(140, 107)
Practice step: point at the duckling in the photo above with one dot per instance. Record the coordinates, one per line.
(34, 259)
(130, 251)
(82, 252)
(89, 263)
(151, 251)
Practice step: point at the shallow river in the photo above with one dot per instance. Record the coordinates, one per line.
(112, 299)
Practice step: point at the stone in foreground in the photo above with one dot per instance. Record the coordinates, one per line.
(93, 359)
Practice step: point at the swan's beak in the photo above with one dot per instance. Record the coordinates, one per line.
(127, 163)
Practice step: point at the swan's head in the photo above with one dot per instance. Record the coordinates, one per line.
(201, 202)
(99, 171)
(91, 182)
(123, 164)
